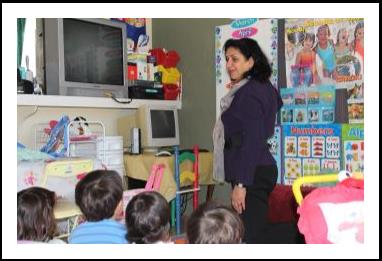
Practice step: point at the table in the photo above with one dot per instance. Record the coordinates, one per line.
(139, 167)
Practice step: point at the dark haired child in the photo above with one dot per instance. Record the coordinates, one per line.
(99, 196)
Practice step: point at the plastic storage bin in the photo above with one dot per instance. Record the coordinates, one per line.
(111, 143)
(171, 91)
(83, 149)
(111, 157)
(111, 153)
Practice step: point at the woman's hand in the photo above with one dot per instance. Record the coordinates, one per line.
(238, 198)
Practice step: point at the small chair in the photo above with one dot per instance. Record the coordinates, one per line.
(68, 212)
(181, 180)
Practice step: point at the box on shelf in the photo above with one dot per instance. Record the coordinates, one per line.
(150, 72)
(143, 92)
(142, 70)
(132, 73)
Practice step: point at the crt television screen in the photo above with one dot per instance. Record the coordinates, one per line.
(93, 52)
(162, 123)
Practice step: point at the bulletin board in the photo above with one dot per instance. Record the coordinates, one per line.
(328, 51)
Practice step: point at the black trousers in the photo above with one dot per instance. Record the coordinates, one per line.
(256, 204)
(257, 228)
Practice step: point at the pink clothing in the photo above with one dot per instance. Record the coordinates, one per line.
(358, 48)
(320, 224)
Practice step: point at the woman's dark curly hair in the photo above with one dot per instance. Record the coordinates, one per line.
(261, 69)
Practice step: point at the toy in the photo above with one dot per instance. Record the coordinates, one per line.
(332, 214)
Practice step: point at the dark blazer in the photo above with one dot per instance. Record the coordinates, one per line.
(248, 123)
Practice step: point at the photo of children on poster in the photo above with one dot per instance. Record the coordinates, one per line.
(322, 51)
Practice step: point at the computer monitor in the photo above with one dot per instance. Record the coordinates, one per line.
(158, 124)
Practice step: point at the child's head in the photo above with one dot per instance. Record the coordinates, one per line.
(342, 36)
(358, 31)
(148, 218)
(211, 223)
(309, 40)
(99, 194)
(323, 33)
(35, 216)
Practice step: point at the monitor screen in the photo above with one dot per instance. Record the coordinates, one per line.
(162, 124)
(159, 126)
(92, 52)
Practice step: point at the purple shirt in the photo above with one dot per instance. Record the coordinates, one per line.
(251, 116)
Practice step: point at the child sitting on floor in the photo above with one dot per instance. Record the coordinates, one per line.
(35, 216)
(148, 219)
(99, 196)
(212, 223)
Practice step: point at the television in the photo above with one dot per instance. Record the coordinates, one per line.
(158, 124)
(85, 57)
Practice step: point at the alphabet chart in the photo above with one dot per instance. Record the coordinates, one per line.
(353, 147)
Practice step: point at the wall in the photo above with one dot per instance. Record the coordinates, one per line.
(194, 40)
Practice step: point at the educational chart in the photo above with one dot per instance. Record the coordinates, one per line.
(353, 147)
(325, 50)
(274, 143)
(264, 31)
(310, 150)
(308, 105)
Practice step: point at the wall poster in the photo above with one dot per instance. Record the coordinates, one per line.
(320, 51)
(311, 150)
(353, 147)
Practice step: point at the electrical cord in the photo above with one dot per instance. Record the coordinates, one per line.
(111, 95)
(185, 198)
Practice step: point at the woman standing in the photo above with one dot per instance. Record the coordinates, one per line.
(241, 154)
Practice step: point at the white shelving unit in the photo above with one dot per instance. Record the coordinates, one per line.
(88, 102)
(91, 139)
(85, 145)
